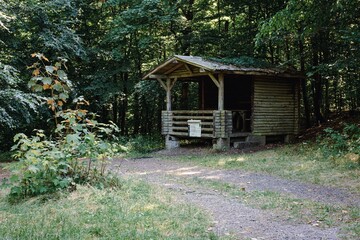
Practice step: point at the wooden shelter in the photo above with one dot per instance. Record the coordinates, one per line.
(239, 105)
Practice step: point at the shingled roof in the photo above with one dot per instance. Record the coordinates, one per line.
(205, 65)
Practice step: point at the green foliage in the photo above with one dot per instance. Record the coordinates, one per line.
(342, 147)
(6, 157)
(77, 154)
(144, 144)
(18, 108)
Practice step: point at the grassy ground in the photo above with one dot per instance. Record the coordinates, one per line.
(297, 162)
(137, 211)
(295, 209)
(300, 162)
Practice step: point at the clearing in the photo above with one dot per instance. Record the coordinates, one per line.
(245, 204)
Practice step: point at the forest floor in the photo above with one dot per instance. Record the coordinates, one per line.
(250, 205)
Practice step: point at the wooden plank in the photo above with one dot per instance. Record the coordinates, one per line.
(279, 115)
(174, 68)
(274, 106)
(180, 123)
(192, 112)
(213, 78)
(182, 134)
(193, 117)
(270, 97)
(187, 129)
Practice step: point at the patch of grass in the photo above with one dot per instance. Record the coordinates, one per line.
(137, 211)
(302, 162)
(303, 210)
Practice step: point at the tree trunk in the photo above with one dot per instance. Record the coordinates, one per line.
(317, 81)
(123, 110)
(304, 84)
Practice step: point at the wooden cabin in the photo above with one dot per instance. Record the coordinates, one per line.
(237, 105)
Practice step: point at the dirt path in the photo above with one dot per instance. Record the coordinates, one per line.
(230, 215)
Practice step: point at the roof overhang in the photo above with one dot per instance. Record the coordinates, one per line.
(190, 66)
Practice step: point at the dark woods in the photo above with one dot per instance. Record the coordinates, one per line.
(110, 44)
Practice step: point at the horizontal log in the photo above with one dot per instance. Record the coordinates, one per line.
(274, 106)
(273, 116)
(272, 133)
(186, 129)
(274, 81)
(182, 134)
(270, 97)
(272, 122)
(185, 123)
(270, 111)
(275, 88)
(267, 127)
(193, 112)
(193, 117)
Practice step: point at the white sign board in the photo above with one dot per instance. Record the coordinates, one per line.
(194, 128)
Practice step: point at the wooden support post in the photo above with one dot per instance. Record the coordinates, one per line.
(221, 92)
(168, 86)
(170, 141)
(168, 94)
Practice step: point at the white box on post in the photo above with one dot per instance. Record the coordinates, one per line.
(194, 128)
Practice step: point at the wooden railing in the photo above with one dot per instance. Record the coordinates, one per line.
(214, 124)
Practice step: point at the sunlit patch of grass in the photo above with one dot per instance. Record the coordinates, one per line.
(230, 161)
(137, 211)
(302, 162)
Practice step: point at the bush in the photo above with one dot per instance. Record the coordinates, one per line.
(145, 144)
(342, 146)
(76, 153)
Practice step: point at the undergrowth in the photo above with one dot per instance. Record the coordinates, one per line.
(342, 147)
(76, 151)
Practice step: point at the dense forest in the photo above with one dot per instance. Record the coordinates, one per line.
(109, 45)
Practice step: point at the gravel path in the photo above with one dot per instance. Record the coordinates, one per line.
(230, 215)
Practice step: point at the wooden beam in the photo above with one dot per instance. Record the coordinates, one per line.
(162, 83)
(168, 94)
(213, 78)
(173, 82)
(188, 68)
(158, 76)
(221, 92)
(187, 75)
(173, 68)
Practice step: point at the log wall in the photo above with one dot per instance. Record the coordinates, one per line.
(214, 124)
(275, 106)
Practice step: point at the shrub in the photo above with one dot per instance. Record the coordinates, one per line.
(342, 146)
(145, 144)
(76, 153)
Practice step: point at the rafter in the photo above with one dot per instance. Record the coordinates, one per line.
(174, 68)
(213, 78)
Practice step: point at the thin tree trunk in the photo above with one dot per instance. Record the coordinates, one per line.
(304, 84)
(317, 82)
(123, 110)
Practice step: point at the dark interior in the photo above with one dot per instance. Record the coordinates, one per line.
(238, 92)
